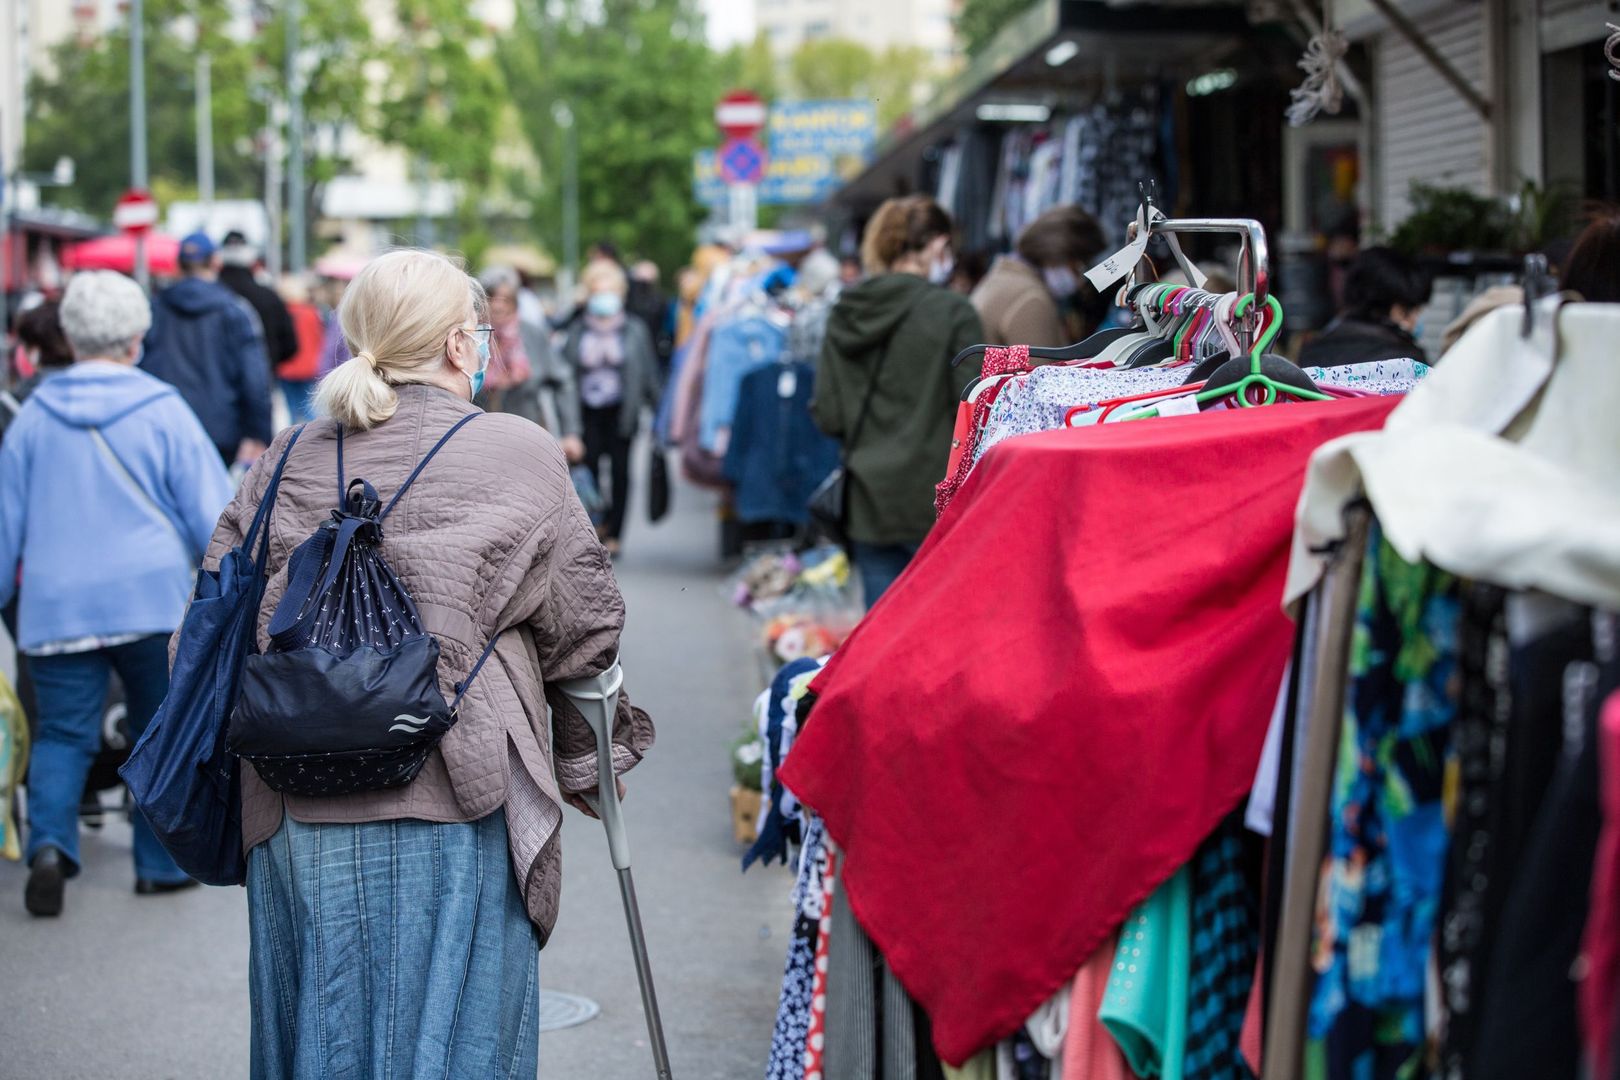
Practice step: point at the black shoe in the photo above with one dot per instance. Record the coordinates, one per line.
(148, 887)
(43, 896)
(91, 813)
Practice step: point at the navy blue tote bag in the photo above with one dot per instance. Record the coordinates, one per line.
(180, 774)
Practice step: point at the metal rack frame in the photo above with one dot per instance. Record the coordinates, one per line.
(1254, 262)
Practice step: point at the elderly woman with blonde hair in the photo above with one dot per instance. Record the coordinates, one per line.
(395, 932)
(615, 368)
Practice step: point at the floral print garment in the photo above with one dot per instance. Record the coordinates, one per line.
(1383, 874)
(1040, 400)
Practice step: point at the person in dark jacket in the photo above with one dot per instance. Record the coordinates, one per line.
(900, 327)
(1384, 293)
(237, 262)
(615, 371)
(206, 343)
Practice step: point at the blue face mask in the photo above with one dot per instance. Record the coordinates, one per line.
(477, 377)
(604, 305)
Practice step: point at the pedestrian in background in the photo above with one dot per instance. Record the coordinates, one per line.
(1023, 297)
(521, 345)
(43, 347)
(104, 445)
(1593, 266)
(334, 350)
(205, 342)
(885, 387)
(1384, 295)
(239, 268)
(646, 302)
(616, 370)
(299, 376)
(445, 886)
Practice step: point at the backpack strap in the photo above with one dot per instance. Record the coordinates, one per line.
(259, 532)
(409, 480)
(343, 486)
(465, 684)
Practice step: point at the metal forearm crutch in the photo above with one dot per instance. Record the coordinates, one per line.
(597, 699)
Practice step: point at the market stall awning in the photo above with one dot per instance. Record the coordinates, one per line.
(118, 253)
(1058, 54)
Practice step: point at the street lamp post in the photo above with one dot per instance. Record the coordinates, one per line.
(296, 254)
(205, 130)
(137, 124)
(570, 223)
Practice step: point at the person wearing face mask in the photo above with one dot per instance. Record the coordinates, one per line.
(615, 368)
(1022, 299)
(1384, 296)
(448, 885)
(885, 387)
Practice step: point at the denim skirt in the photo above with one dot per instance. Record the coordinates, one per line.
(392, 949)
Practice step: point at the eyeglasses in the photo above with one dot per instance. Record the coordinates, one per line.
(482, 333)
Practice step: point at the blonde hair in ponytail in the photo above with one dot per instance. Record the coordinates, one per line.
(395, 316)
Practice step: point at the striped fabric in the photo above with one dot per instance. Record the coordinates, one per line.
(1224, 947)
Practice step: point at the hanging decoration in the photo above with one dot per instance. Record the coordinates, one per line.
(1321, 91)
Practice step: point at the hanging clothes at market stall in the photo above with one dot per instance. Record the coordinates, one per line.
(1135, 653)
(1464, 812)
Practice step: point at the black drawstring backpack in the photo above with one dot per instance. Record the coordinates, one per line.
(347, 697)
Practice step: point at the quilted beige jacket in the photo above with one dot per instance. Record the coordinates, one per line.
(491, 538)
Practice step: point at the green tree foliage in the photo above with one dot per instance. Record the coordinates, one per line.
(641, 83)
(979, 21)
(835, 67)
(442, 97)
(432, 88)
(82, 111)
(753, 67)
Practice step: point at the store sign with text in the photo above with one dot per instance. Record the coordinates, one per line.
(813, 148)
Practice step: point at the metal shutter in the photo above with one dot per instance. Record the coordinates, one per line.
(1426, 131)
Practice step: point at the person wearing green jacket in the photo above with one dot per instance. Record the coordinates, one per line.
(894, 334)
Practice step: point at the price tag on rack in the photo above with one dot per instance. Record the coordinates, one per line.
(1123, 261)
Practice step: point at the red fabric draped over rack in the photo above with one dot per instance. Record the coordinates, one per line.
(1067, 690)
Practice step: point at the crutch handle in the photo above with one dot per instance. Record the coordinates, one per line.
(597, 699)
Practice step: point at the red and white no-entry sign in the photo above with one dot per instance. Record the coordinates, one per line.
(136, 212)
(741, 114)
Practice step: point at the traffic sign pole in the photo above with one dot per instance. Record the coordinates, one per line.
(741, 116)
(137, 125)
(744, 206)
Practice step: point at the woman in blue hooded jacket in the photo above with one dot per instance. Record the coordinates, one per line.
(109, 491)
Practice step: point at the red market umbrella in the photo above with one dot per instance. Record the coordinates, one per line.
(117, 252)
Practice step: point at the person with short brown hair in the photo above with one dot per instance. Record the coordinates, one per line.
(1022, 298)
(1593, 269)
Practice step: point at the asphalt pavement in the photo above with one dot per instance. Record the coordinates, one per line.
(155, 988)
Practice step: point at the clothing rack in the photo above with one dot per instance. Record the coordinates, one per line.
(1254, 267)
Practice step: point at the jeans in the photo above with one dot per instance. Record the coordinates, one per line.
(391, 948)
(603, 442)
(72, 691)
(879, 565)
(300, 395)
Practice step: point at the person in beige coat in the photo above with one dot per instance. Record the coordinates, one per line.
(396, 932)
(1021, 300)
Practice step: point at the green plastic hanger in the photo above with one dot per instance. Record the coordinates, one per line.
(1221, 383)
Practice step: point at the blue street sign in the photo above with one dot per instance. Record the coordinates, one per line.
(814, 147)
(742, 161)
